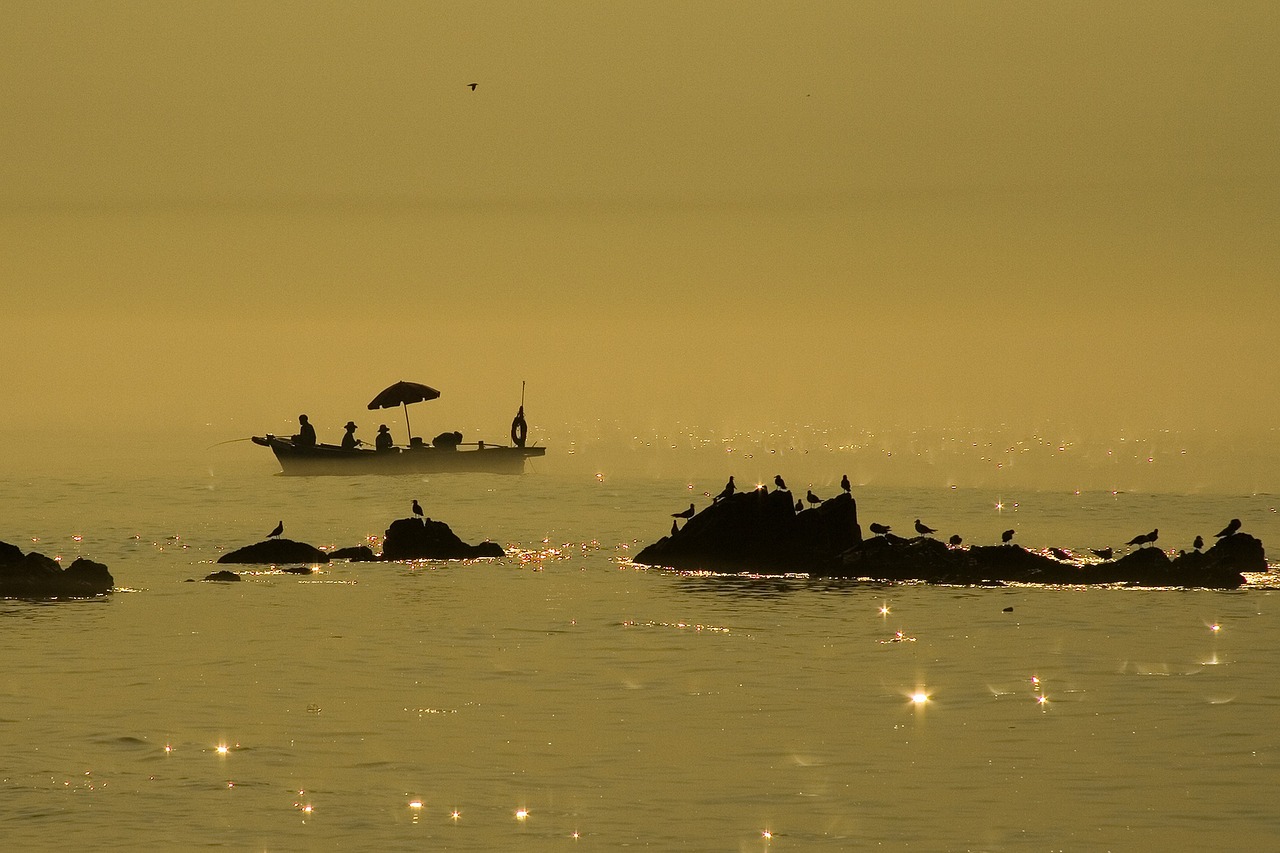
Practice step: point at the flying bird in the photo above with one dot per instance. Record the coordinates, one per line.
(879, 529)
(1006, 537)
(729, 489)
(1199, 543)
(812, 498)
(844, 483)
(955, 539)
(687, 513)
(279, 529)
(924, 530)
(779, 482)
(417, 510)
(472, 86)
(1229, 529)
(1101, 553)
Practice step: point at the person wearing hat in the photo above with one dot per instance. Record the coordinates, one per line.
(384, 441)
(349, 441)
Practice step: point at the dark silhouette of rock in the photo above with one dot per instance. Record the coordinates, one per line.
(276, 551)
(297, 570)
(764, 533)
(34, 575)
(222, 576)
(424, 539)
(755, 531)
(356, 554)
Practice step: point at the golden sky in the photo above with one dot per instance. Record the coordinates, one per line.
(886, 213)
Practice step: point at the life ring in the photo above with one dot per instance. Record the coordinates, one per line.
(519, 429)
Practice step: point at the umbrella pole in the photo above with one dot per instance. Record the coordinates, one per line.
(407, 428)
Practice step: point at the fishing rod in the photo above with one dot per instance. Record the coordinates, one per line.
(228, 441)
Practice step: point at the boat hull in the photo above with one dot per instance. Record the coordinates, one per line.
(330, 460)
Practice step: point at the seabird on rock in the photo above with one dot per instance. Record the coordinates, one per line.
(955, 539)
(799, 506)
(879, 529)
(844, 483)
(1006, 537)
(279, 529)
(778, 481)
(1103, 553)
(1199, 543)
(1059, 554)
(729, 489)
(417, 510)
(1229, 529)
(812, 498)
(924, 530)
(675, 528)
(688, 513)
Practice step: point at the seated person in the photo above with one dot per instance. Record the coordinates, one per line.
(349, 441)
(306, 436)
(383, 442)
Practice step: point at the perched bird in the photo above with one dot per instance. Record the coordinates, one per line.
(675, 528)
(1199, 543)
(729, 489)
(799, 506)
(472, 86)
(924, 530)
(1101, 553)
(812, 498)
(1144, 538)
(879, 529)
(779, 482)
(1229, 529)
(1006, 537)
(844, 483)
(279, 529)
(417, 510)
(1059, 554)
(688, 513)
(955, 539)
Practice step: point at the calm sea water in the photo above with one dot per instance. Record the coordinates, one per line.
(424, 706)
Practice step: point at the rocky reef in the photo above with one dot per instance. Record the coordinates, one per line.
(425, 539)
(763, 532)
(274, 552)
(759, 531)
(34, 575)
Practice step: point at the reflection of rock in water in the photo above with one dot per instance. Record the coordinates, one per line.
(34, 575)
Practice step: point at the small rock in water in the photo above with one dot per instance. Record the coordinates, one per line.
(1007, 610)
(222, 576)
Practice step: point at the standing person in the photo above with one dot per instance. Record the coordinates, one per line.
(306, 436)
(349, 441)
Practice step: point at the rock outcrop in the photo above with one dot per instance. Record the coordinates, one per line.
(34, 575)
(355, 554)
(274, 552)
(762, 532)
(759, 532)
(425, 539)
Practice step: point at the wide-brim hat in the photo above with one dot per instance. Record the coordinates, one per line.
(384, 428)
(350, 425)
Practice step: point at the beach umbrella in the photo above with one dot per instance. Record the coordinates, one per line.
(402, 394)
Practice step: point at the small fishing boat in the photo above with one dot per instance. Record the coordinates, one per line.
(418, 458)
(447, 453)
